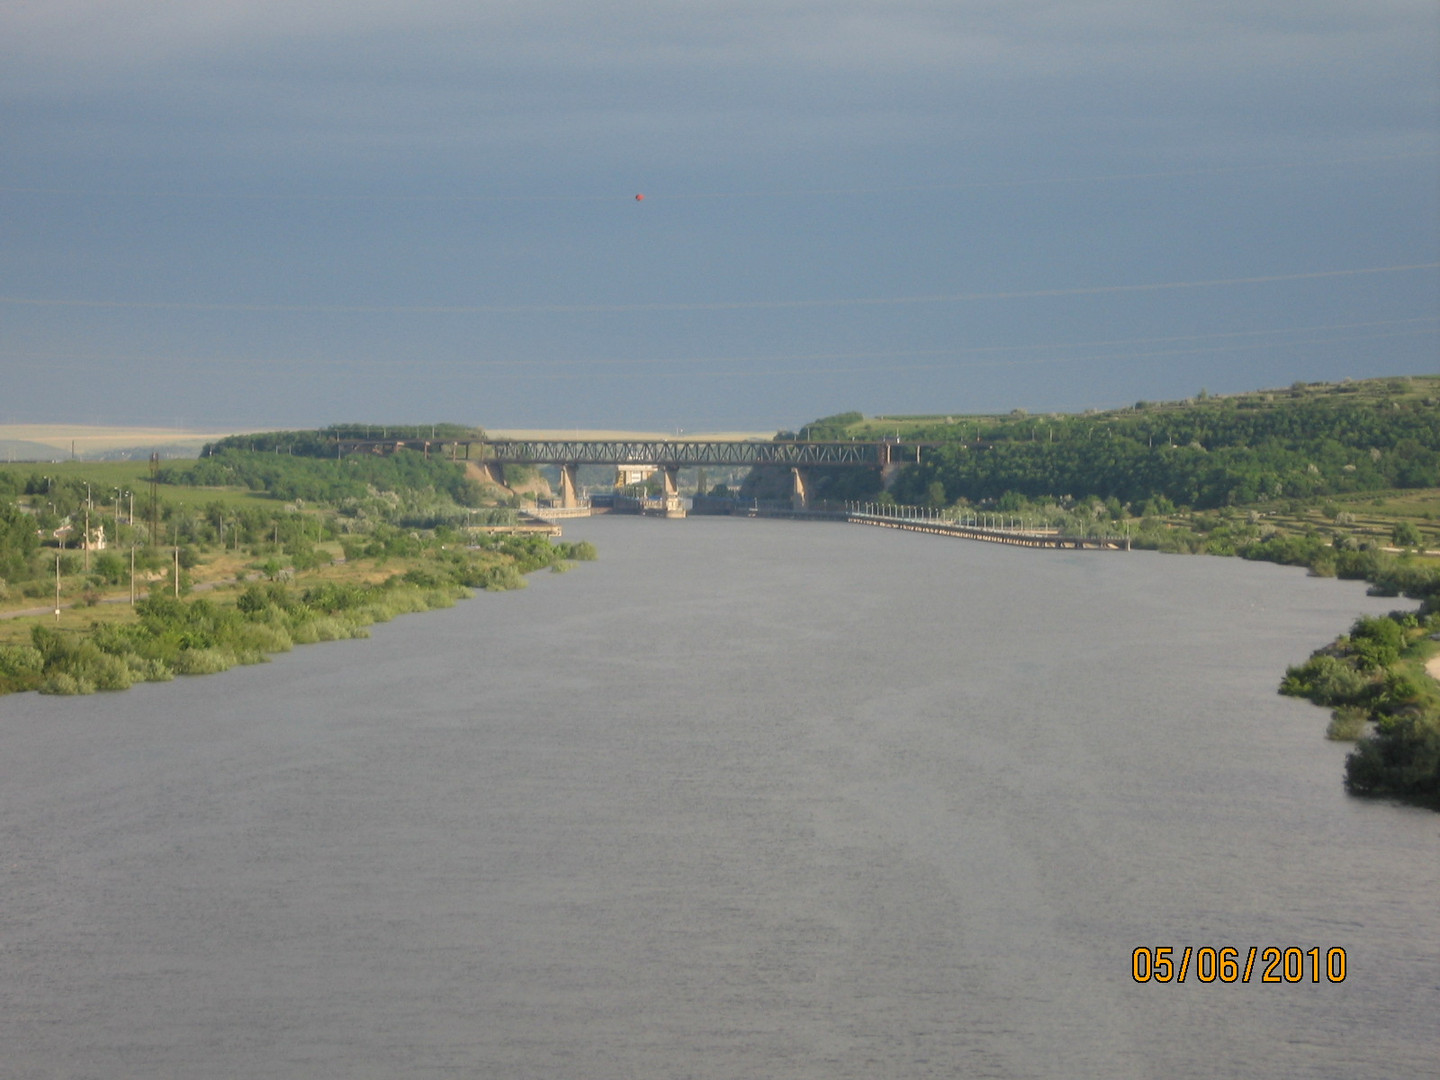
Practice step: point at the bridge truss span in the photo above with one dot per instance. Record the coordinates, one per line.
(673, 454)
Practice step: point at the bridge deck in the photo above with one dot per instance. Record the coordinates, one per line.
(666, 453)
(662, 453)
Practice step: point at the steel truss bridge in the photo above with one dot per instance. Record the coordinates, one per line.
(661, 453)
(680, 454)
(668, 456)
(671, 455)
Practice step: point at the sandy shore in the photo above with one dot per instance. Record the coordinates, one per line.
(92, 438)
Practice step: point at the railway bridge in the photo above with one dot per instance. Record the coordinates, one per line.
(669, 456)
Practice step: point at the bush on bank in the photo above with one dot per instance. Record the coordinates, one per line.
(1374, 681)
(174, 636)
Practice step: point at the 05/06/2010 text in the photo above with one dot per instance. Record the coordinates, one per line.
(1208, 965)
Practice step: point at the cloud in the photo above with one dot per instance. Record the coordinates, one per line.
(1032, 36)
(714, 82)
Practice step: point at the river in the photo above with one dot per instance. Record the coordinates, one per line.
(742, 799)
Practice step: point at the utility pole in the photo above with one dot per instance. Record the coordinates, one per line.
(154, 497)
(89, 505)
(57, 586)
(177, 571)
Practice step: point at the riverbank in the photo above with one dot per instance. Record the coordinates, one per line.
(718, 809)
(244, 621)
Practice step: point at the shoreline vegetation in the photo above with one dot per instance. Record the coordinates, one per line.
(237, 556)
(164, 635)
(1379, 682)
(1341, 478)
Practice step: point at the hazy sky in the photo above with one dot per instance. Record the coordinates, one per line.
(293, 212)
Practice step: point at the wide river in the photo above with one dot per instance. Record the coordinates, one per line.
(743, 799)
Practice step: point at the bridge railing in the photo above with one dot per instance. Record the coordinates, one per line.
(666, 453)
(555, 513)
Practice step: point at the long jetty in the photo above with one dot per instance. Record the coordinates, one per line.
(991, 528)
(1020, 537)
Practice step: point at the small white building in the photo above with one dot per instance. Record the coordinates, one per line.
(626, 475)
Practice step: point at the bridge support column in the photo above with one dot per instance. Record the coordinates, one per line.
(889, 467)
(568, 496)
(799, 491)
(674, 508)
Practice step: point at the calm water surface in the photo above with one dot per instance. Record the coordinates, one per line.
(743, 799)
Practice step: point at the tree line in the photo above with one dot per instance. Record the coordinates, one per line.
(1207, 456)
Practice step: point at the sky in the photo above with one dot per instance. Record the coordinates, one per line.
(290, 213)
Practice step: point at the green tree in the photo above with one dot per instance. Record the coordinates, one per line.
(18, 542)
(1406, 535)
(1376, 642)
(110, 568)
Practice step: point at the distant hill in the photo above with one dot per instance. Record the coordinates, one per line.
(26, 450)
(1301, 441)
(92, 442)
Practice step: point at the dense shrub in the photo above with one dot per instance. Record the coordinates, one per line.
(1327, 680)
(580, 551)
(21, 668)
(1376, 643)
(202, 661)
(1402, 759)
(173, 636)
(1373, 677)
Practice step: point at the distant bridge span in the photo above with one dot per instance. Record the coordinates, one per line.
(662, 453)
(667, 455)
(682, 453)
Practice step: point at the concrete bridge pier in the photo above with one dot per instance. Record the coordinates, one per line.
(487, 473)
(674, 508)
(889, 467)
(569, 497)
(799, 491)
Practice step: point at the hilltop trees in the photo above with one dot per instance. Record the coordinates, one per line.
(312, 479)
(1203, 455)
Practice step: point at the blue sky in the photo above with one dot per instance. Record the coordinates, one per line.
(296, 213)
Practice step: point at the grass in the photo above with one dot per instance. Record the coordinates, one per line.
(217, 578)
(105, 476)
(1369, 516)
(243, 616)
(1405, 389)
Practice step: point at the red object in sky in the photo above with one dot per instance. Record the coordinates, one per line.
(639, 198)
